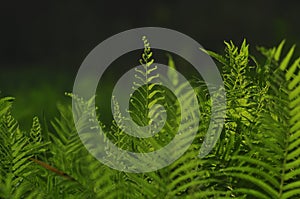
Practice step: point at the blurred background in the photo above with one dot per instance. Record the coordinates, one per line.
(44, 42)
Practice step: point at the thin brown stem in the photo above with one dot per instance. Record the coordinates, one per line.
(51, 168)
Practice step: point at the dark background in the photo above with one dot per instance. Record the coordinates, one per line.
(43, 43)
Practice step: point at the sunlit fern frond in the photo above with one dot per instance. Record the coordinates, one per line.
(271, 168)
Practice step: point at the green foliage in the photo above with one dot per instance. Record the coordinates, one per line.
(16, 148)
(257, 156)
(270, 167)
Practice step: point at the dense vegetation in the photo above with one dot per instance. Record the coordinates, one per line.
(257, 155)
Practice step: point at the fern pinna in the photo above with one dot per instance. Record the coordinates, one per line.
(257, 155)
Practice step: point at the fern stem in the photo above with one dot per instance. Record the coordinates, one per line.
(50, 168)
(283, 168)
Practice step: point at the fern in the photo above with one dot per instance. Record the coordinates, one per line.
(257, 155)
(17, 147)
(271, 167)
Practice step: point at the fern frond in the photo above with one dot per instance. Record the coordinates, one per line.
(16, 150)
(271, 168)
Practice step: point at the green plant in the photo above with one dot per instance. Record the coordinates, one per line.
(257, 156)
